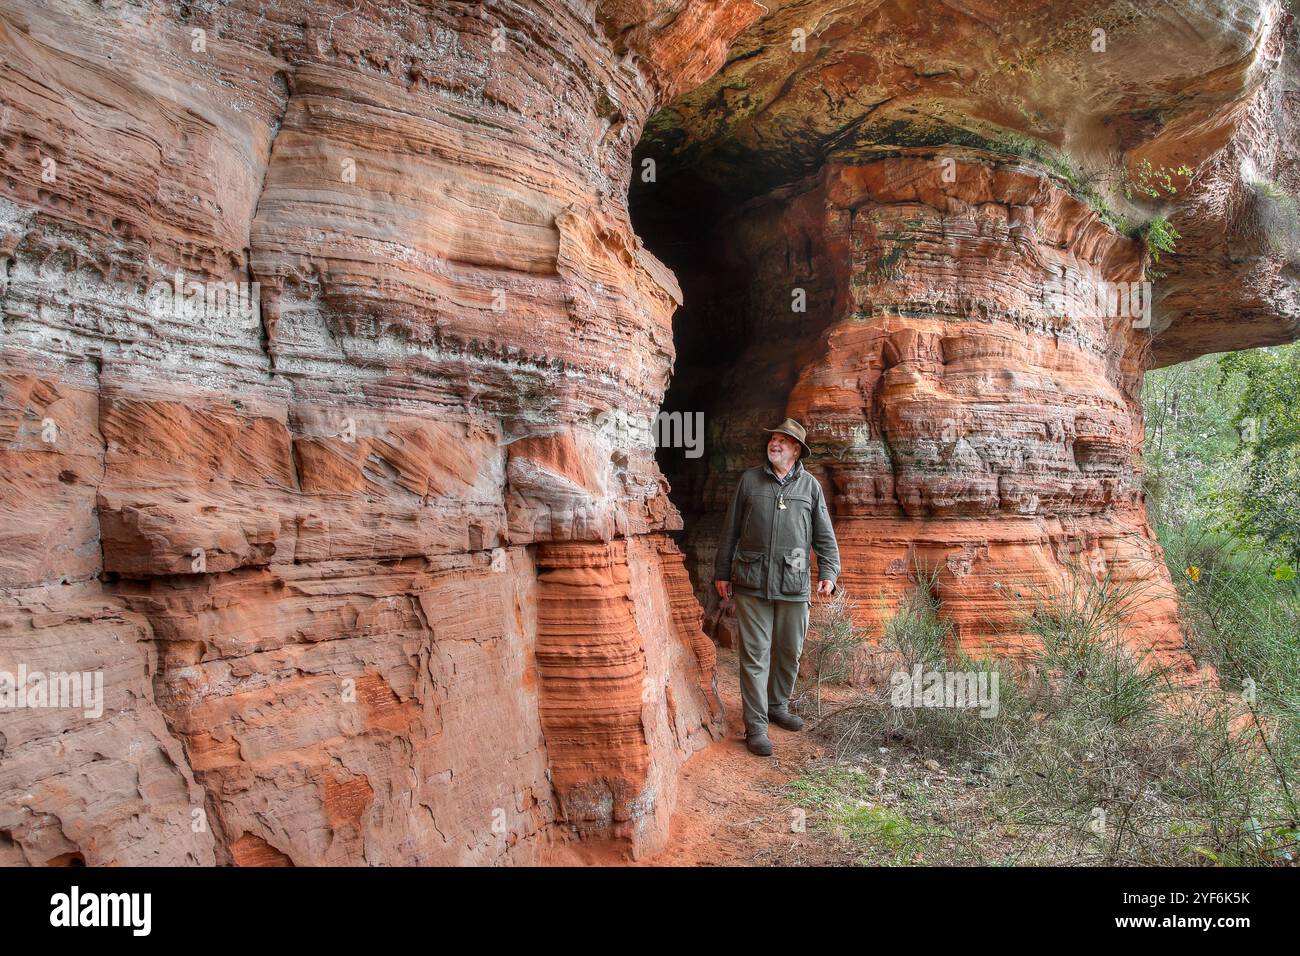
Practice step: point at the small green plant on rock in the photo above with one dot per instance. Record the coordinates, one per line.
(1160, 236)
(1153, 182)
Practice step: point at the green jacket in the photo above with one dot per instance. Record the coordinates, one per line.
(771, 545)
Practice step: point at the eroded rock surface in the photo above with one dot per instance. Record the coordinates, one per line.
(967, 423)
(328, 353)
(374, 577)
(900, 209)
(1186, 111)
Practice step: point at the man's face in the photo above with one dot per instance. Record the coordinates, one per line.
(782, 450)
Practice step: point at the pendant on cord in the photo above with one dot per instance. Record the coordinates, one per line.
(780, 501)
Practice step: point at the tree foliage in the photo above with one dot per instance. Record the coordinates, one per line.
(1268, 420)
(1223, 447)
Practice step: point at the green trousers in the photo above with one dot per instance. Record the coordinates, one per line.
(771, 640)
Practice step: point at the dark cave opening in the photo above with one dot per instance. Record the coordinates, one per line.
(739, 344)
(709, 331)
(676, 219)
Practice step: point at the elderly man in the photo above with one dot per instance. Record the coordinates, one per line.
(777, 516)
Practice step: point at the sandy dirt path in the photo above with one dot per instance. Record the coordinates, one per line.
(731, 806)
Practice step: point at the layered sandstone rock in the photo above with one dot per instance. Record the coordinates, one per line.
(972, 417)
(1122, 99)
(327, 352)
(901, 203)
(321, 543)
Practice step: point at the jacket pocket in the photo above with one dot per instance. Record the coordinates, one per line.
(794, 572)
(750, 568)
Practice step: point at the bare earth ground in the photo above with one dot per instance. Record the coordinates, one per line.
(800, 807)
(889, 806)
(731, 807)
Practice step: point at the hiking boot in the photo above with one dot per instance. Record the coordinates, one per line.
(785, 720)
(759, 745)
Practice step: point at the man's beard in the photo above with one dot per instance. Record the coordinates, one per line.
(780, 460)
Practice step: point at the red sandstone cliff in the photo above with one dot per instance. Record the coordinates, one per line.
(369, 582)
(371, 570)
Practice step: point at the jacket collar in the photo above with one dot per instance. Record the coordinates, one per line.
(792, 474)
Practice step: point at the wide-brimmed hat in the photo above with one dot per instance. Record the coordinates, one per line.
(794, 430)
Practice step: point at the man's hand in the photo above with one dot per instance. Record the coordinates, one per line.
(825, 587)
(724, 589)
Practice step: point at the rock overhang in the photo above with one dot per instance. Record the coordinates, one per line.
(1182, 113)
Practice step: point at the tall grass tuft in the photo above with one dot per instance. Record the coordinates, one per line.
(833, 647)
